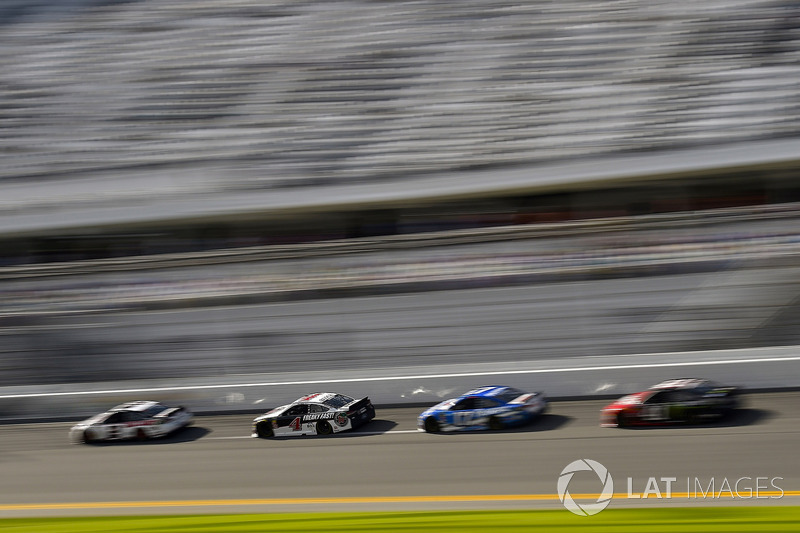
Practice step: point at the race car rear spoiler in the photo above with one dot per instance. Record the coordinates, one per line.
(170, 412)
(526, 397)
(722, 391)
(354, 407)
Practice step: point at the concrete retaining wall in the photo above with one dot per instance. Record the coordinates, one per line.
(765, 368)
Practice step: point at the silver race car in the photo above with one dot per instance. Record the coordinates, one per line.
(321, 413)
(139, 420)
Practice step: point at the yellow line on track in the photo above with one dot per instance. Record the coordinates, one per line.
(374, 499)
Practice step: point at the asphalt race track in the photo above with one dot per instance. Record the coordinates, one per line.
(214, 466)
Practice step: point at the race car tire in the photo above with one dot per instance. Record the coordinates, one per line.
(141, 435)
(623, 420)
(264, 430)
(495, 423)
(432, 425)
(87, 437)
(324, 428)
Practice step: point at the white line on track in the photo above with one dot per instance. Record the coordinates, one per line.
(414, 377)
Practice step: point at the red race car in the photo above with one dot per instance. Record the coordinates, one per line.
(676, 400)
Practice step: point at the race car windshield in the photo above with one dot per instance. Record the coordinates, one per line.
(338, 401)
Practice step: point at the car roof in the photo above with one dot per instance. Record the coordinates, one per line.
(317, 397)
(489, 392)
(681, 383)
(141, 405)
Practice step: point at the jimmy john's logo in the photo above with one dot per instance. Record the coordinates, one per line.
(341, 419)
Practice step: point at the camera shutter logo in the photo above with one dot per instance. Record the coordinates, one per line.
(585, 509)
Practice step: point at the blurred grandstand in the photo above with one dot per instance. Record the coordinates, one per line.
(164, 161)
(138, 127)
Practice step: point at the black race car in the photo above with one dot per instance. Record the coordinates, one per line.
(321, 413)
(675, 400)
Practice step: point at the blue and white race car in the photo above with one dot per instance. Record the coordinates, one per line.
(483, 408)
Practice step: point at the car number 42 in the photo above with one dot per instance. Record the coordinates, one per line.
(655, 412)
(466, 418)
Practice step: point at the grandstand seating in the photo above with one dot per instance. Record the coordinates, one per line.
(289, 93)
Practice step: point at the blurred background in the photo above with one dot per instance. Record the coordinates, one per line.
(220, 188)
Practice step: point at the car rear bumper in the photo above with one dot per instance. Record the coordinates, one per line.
(363, 415)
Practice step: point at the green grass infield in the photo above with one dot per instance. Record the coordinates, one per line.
(651, 520)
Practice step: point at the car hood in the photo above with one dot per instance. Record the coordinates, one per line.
(271, 413)
(96, 419)
(629, 400)
(446, 404)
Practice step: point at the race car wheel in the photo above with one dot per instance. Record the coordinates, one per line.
(495, 423)
(264, 430)
(87, 437)
(324, 428)
(431, 425)
(141, 435)
(623, 420)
